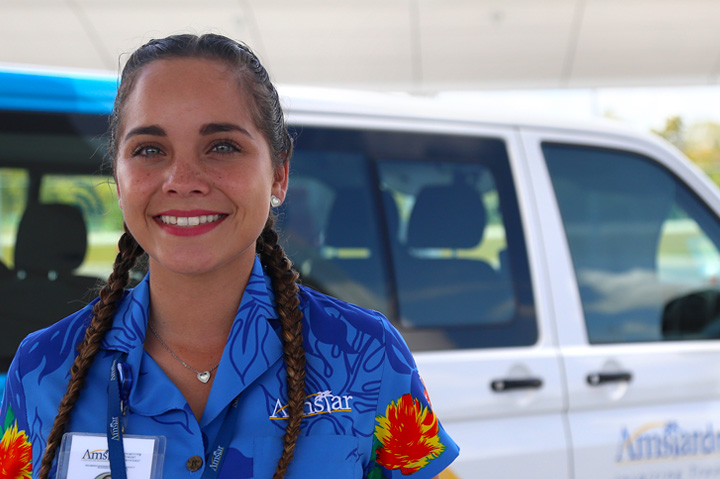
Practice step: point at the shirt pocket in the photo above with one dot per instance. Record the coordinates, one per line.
(319, 457)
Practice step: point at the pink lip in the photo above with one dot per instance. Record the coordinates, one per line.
(189, 230)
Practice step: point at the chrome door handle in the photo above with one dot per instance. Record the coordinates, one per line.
(596, 379)
(502, 385)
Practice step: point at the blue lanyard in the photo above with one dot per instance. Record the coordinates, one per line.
(216, 457)
(118, 392)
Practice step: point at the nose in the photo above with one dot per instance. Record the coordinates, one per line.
(186, 178)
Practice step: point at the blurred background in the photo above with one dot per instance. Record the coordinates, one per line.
(654, 64)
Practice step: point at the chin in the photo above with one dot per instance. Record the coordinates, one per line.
(196, 263)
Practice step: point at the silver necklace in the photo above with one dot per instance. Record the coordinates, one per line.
(202, 376)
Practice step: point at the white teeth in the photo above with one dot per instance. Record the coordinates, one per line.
(186, 221)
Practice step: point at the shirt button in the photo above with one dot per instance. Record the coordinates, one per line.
(194, 463)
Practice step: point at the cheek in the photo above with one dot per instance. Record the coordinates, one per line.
(132, 190)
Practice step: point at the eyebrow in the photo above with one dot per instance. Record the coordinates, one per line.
(153, 130)
(208, 129)
(211, 128)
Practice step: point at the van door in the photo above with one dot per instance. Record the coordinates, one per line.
(639, 326)
(431, 229)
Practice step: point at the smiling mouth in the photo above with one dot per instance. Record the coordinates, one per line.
(188, 221)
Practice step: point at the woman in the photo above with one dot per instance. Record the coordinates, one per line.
(243, 373)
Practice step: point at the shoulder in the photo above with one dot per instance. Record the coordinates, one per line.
(351, 329)
(50, 347)
(325, 314)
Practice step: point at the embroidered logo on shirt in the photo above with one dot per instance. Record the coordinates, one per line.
(318, 403)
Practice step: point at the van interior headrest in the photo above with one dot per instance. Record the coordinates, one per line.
(51, 237)
(450, 216)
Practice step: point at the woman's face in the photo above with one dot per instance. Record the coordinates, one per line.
(194, 174)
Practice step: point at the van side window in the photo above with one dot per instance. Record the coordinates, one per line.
(13, 198)
(449, 244)
(424, 228)
(330, 229)
(96, 197)
(644, 247)
(59, 220)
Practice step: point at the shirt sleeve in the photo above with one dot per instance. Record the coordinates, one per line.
(15, 446)
(409, 440)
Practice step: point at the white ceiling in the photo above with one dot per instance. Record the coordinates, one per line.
(416, 45)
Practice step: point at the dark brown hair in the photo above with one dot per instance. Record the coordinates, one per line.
(269, 119)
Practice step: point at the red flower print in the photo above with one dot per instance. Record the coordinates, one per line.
(15, 454)
(408, 436)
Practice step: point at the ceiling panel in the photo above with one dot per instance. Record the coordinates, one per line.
(342, 43)
(639, 42)
(414, 45)
(495, 45)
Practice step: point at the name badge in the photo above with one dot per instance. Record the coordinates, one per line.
(86, 456)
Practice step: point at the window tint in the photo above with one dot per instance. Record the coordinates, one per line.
(449, 244)
(59, 221)
(330, 228)
(424, 228)
(13, 198)
(644, 247)
(95, 196)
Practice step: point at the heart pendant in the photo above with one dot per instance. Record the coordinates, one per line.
(204, 376)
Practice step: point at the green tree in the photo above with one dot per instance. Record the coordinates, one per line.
(699, 141)
(674, 132)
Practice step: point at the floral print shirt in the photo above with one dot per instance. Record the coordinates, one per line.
(366, 414)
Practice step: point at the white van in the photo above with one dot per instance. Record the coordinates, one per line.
(558, 283)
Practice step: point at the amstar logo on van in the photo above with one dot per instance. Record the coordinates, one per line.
(666, 440)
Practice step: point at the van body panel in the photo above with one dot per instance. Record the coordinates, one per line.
(511, 447)
(661, 421)
(25, 90)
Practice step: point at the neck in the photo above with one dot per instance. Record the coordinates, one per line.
(196, 311)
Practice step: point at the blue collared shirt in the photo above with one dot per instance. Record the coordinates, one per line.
(366, 412)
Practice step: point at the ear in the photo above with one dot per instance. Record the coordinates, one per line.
(119, 196)
(280, 180)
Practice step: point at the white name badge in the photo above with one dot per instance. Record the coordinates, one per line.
(85, 456)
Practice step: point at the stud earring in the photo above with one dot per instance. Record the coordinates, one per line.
(275, 201)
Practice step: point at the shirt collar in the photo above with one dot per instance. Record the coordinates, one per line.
(252, 347)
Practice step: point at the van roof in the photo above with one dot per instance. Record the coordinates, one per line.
(300, 100)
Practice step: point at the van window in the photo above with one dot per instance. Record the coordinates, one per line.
(644, 247)
(13, 199)
(96, 197)
(59, 220)
(424, 228)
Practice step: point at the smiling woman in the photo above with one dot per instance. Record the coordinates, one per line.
(245, 373)
(203, 156)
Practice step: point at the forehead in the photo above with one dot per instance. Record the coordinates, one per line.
(195, 88)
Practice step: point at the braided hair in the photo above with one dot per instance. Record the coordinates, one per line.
(101, 322)
(268, 117)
